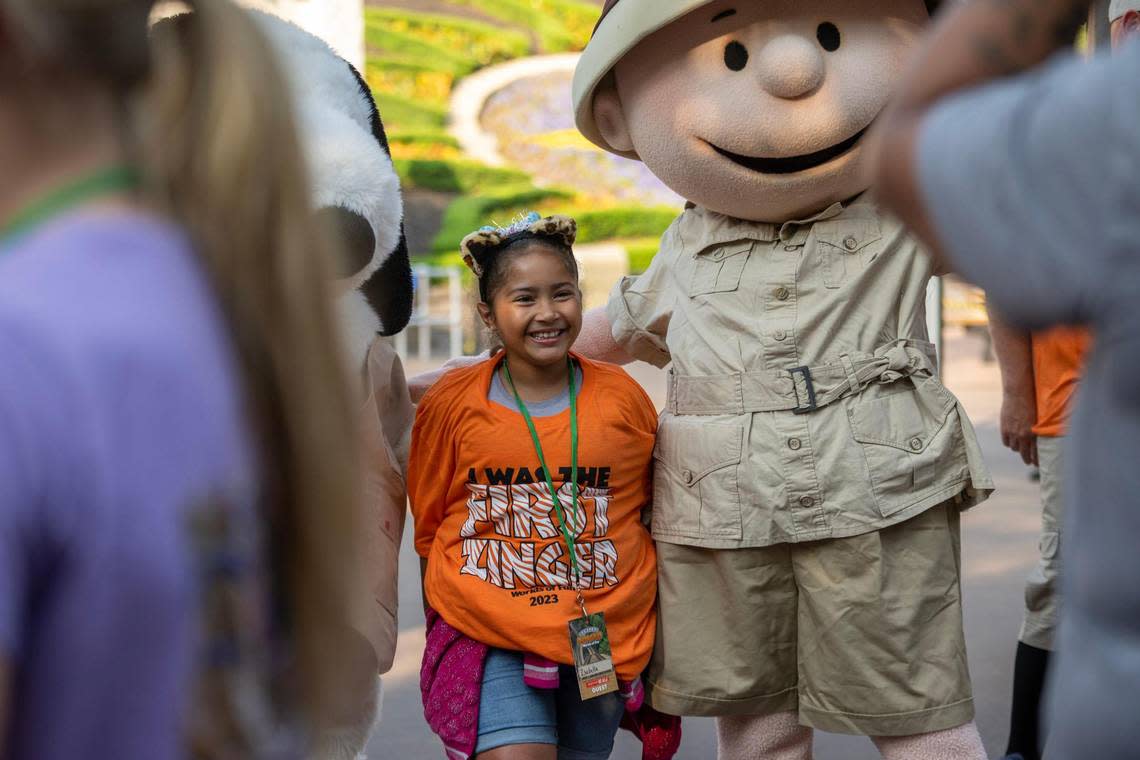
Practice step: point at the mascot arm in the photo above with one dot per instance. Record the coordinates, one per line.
(419, 384)
(596, 341)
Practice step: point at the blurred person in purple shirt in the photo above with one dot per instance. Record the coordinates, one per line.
(176, 485)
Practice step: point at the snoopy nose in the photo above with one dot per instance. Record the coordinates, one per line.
(790, 66)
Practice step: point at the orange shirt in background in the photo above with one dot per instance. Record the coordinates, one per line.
(1058, 362)
(484, 519)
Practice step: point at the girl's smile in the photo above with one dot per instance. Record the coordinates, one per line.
(547, 338)
(537, 313)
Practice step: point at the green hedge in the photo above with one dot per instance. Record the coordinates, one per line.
(579, 18)
(641, 253)
(559, 24)
(469, 213)
(623, 222)
(402, 65)
(403, 115)
(441, 259)
(412, 81)
(403, 47)
(423, 138)
(481, 43)
(455, 176)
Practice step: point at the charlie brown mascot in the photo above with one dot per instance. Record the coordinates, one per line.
(810, 466)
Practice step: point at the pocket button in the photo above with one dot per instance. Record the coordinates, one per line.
(850, 242)
(916, 443)
(687, 476)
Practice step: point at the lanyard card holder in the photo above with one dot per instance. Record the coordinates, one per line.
(593, 660)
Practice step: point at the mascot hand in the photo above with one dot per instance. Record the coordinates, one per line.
(596, 341)
(419, 384)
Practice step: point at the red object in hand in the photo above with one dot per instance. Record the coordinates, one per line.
(660, 734)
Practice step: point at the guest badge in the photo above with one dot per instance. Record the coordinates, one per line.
(593, 661)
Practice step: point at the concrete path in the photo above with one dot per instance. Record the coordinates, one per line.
(471, 93)
(600, 266)
(999, 540)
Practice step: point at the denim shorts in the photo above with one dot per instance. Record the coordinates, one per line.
(510, 712)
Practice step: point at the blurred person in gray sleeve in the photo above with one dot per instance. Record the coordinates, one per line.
(1021, 174)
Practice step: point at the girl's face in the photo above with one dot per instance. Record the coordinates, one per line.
(537, 308)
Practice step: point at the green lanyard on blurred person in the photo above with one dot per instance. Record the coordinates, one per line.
(107, 181)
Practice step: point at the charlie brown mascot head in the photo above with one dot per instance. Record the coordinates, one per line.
(751, 108)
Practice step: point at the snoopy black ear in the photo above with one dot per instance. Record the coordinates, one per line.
(389, 289)
(353, 233)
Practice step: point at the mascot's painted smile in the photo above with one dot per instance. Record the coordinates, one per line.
(758, 114)
(791, 164)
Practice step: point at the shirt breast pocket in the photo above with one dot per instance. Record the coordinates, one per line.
(843, 250)
(718, 269)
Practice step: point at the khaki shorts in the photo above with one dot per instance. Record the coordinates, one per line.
(860, 635)
(1042, 588)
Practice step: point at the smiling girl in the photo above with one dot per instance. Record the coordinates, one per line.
(529, 476)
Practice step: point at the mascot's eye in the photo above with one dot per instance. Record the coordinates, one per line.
(828, 36)
(735, 56)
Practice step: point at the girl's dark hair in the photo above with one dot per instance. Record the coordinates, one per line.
(495, 262)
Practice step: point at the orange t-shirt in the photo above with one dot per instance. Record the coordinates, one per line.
(1058, 360)
(497, 562)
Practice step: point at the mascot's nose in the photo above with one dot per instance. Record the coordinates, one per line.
(790, 66)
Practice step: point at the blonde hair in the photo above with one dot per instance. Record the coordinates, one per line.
(215, 143)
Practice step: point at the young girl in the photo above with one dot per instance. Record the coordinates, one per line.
(529, 476)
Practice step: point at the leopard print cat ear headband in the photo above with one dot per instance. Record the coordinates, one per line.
(481, 243)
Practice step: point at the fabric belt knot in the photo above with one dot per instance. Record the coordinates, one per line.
(801, 389)
(899, 362)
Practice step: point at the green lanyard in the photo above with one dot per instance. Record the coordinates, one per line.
(106, 181)
(546, 470)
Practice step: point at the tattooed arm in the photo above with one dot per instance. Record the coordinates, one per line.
(975, 43)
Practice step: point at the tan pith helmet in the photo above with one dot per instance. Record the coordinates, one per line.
(623, 24)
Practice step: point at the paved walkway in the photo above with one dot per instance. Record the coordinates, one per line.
(472, 92)
(999, 540)
(519, 114)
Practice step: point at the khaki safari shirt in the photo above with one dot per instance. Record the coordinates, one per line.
(804, 401)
